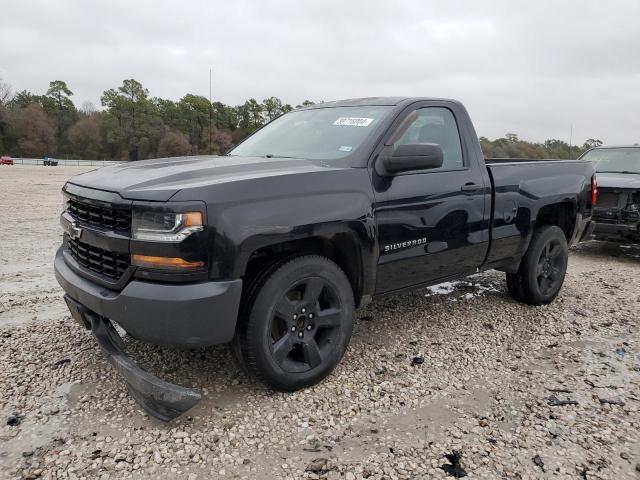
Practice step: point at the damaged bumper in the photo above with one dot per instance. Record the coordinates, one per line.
(160, 399)
(174, 315)
(617, 214)
(617, 232)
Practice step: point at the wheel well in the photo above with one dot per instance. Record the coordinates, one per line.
(559, 214)
(340, 248)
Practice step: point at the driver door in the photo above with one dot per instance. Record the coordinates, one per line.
(432, 224)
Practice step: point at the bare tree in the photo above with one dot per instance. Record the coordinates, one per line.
(6, 93)
(88, 107)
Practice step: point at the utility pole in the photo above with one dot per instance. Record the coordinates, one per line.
(571, 143)
(210, 112)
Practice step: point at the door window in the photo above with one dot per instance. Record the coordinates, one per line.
(436, 125)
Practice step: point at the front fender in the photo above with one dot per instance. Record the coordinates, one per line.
(321, 206)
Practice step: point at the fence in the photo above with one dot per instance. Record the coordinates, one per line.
(66, 163)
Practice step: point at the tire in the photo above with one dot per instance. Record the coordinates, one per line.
(250, 290)
(542, 269)
(297, 323)
(514, 286)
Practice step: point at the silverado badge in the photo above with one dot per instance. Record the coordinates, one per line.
(408, 243)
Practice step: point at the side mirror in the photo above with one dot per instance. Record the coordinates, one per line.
(410, 157)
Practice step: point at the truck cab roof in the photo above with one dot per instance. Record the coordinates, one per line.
(377, 101)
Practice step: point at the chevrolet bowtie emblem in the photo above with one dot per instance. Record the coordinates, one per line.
(74, 231)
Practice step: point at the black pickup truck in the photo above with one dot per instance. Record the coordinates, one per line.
(273, 246)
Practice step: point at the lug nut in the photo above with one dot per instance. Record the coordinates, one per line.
(308, 327)
(304, 310)
(293, 329)
(311, 315)
(295, 316)
(300, 334)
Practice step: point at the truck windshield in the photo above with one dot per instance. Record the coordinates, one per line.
(318, 134)
(615, 160)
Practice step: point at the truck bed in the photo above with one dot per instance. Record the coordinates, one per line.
(522, 188)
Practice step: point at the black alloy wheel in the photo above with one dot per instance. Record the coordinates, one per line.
(298, 324)
(542, 269)
(551, 265)
(305, 325)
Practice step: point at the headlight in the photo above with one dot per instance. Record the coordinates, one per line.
(164, 227)
(65, 203)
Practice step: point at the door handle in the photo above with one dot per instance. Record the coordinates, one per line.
(470, 187)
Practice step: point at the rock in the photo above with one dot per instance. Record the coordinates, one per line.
(14, 420)
(317, 465)
(51, 410)
(454, 468)
(537, 461)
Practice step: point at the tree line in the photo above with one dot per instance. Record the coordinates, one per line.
(133, 125)
(510, 146)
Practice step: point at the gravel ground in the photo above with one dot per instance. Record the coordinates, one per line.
(449, 381)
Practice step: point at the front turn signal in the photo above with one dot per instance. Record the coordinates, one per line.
(165, 263)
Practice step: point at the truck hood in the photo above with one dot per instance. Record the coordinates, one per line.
(160, 179)
(619, 180)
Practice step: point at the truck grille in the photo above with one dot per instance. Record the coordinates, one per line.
(110, 264)
(101, 217)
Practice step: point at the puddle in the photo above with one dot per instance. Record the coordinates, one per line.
(474, 286)
(31, 434)
(592, 369)
(619, 251)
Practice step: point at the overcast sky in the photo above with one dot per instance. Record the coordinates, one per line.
(533, 68)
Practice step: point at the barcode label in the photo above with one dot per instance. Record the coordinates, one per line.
(353, 122)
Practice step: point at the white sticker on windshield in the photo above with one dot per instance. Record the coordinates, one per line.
(353, 122)
(345, 148)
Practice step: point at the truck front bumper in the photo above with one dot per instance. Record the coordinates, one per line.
(177, 315)
(161, 399)
(191, 315)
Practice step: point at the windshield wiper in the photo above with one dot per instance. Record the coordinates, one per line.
(271, 155)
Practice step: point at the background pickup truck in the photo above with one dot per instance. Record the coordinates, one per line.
(617, 214)
(273, 245)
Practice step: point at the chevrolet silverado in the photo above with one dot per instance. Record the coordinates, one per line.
(274, 245)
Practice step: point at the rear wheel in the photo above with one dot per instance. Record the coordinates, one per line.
(298, 323)
(543, 268)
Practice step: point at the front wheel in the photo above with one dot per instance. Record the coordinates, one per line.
(543, 268)
(298, 324)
